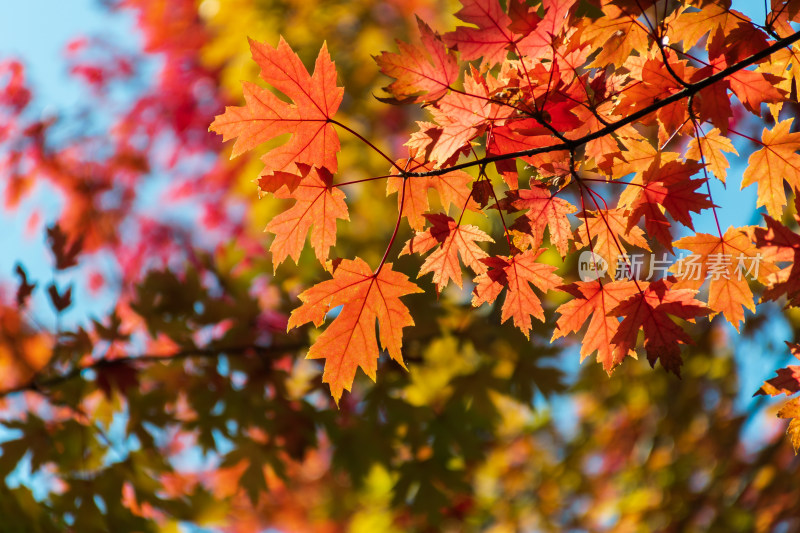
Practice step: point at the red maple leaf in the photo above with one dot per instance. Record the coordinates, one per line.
(538, 38)
(650, 311)
(668, 186)
(492, 37)
(779, 244)
(788, 379)
(516, 274)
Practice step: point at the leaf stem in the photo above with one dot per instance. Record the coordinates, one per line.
(366, 141)
(396, 224)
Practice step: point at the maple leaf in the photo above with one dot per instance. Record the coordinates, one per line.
(638, 155)
(460, 117)
(709, 148)
(25, 288)
(618, 33)
(60, 300)
(543, 210)
(538, 34)
(524, 135)
(453, 188)
(669, 187)
(788, 379)
(787, 382)
(315, 99)
(492, 37)
(595, 300)
(318, 205)
(791, 409)
(278, 180)
(610, 231)
(422, 73)
(690, 27)
(64, 248)
(650, 311)
(657, 82)
(726, 261)
(780, 244)
(713, 103)
(785, 64)
(751, 87)
(777, 161)
(453, 239)
(350, 341)
(516, 274)
(481, 191)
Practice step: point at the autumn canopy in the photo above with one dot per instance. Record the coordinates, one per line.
(460, 211)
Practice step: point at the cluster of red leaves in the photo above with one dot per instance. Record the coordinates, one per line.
(631, 97)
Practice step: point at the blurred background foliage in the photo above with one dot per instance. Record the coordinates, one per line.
(183, 404)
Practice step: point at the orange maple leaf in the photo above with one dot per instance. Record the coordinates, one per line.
(787, 382)
(350, 341)
(638, 155)
(710, 148)
(594, 299)
(317, 205)
(727, 261)
(618, 33)
(657, 82)
(690, 27)
(422, 73)
(454, 239)
(543, 210)
(315, 99)
(777, 161)
(516, 273)
(461, 116)
(610, 231)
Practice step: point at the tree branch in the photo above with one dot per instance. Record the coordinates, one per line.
(690, 90)
(101, 364)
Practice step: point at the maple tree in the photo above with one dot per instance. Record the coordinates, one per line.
(542, 95)
(529, 133)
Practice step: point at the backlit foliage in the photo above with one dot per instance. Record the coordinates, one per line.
(411, 180)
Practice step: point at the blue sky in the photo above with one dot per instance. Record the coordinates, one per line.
(36, 32)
